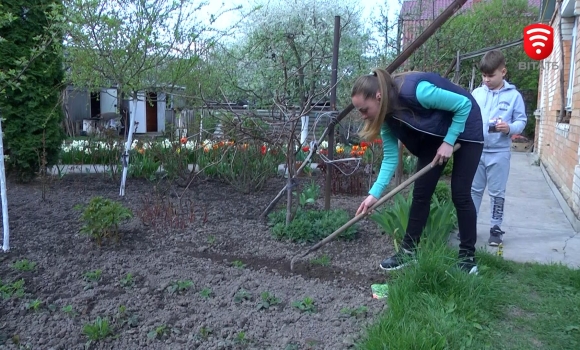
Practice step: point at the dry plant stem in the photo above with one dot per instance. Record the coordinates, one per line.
(380, 202)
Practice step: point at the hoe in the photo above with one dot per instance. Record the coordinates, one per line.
(382, 200)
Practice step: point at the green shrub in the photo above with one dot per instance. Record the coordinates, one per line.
(102, 217)
(310, 225)
(442, 192)
(30, 102)
(394, 219)
(442, 220)
(143, 166)
(308, 195)
(448, 167)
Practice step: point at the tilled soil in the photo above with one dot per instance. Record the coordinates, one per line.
(214, 239)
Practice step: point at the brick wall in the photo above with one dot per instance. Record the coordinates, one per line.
(575, 119)
(558, 143)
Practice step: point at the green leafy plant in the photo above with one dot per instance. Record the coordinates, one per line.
(267, 300)
(143, 166)
(179, 286)
(442, 192)
(24, 265)
(127, 281)
(309, 195)
(98, 330)
(448, 167)
(159, 332)
(355, 312)
(102, 217)
(394, 219)
(242, 295)
(205, 332)
(92, 278)
(34, 304)
(14, 289)
(69, 310)
(238, 264)
(124, 317)
(310, 225)
(442, 220)
(241, 338)
(305, 305)
(206, 293)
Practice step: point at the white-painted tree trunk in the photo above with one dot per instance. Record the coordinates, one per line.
(125, 156)
(304, 130)
(5, 222)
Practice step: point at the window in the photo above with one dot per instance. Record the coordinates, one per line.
(572, 66)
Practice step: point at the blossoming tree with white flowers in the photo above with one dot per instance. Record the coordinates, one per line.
(134, 45)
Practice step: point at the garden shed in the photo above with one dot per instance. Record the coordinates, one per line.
(86, 110)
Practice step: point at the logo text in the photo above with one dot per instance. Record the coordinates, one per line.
(536, 65)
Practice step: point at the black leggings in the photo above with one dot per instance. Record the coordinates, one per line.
(465, 162)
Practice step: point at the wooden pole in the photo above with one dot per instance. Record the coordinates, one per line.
(333, 81)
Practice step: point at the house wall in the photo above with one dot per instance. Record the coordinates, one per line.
(557, 142)
(575, 119)
(161, 107)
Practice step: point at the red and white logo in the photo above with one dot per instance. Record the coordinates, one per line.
(538, 41)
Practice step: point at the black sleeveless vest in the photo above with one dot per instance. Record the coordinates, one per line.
(415, 118)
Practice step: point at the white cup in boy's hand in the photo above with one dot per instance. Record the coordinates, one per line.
(493, 124)
(502, 127)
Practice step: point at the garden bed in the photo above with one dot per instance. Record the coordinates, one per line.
(217, 243)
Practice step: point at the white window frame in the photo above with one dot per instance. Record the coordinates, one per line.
(569, 93)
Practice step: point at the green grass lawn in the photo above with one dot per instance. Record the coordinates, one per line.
(507, 306)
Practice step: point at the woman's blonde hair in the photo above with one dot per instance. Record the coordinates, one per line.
(368, 86)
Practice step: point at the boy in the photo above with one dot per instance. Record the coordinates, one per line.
(504, 115)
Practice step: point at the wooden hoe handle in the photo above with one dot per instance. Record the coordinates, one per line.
(382, 200)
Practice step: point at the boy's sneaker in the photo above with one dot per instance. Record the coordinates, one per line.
(468, 265)
(401, 259)
(495, 236)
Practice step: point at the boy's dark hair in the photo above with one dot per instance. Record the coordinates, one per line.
(491, 61)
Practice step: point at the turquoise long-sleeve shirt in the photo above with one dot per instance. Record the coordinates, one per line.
(430, 97)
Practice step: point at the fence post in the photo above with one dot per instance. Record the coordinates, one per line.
(5, 221)
(333, 81)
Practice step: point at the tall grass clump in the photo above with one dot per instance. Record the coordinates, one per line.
(433, 305)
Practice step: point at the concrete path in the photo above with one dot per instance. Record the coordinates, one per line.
(537, 229)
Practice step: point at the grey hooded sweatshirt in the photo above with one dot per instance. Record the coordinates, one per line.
(506, 103)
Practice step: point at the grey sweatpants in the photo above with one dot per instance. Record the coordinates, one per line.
(493, 171)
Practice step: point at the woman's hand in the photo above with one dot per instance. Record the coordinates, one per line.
(366, 204)
(443, 153)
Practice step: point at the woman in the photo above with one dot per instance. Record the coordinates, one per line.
(428, 114)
